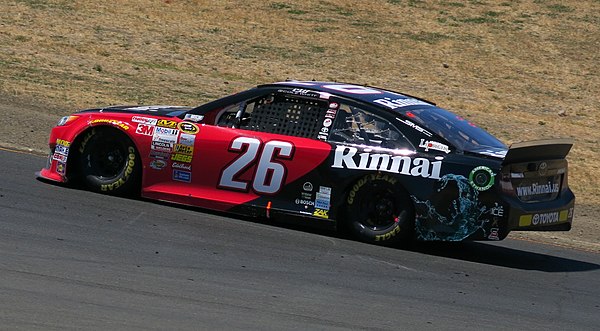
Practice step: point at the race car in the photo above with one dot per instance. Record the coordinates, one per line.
(386, 166)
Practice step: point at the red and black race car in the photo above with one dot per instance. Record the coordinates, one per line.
(385, 165)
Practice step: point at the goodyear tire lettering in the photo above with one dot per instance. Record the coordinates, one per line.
(378, 210)
(123, 175)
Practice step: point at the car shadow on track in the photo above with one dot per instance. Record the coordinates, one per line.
(497, 253)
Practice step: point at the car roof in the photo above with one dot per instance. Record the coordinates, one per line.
(377, 96)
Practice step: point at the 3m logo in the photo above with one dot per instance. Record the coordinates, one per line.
(144, 129)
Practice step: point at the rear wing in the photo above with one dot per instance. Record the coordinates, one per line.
(537, 150)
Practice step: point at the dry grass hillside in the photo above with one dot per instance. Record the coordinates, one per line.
(523, 69)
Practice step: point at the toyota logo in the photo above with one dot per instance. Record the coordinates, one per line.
(543, 168)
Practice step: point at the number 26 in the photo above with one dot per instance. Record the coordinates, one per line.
(269, 175)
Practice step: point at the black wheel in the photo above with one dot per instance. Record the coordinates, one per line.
(378, 211)
(109, 162)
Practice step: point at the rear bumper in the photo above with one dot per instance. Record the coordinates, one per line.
(555, 215)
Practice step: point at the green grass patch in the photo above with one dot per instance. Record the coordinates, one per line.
(297, 12)
(558, 8)
(427, 37)
(279, 5)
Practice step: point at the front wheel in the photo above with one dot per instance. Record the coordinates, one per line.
(109, 162)
(378, 211)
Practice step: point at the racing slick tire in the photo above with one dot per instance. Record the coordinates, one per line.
(380, 212)
(109, 162)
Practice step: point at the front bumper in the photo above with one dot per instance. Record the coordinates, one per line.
(54, 170)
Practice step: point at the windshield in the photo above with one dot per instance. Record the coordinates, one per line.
(455, 129)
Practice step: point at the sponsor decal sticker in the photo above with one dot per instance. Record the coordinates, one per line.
(321, 213)
(182, 176)
(189, 128)
(167, 124)
(494, 153)
(306, 196)
(481, 178)
(144, 120)
(546, 218)
(325, 190)
(150, 108)
(120, 124)
(346, 157)
(308, 186)
(61, 149)
(352, 89)
(182, 166)
(538, 189)
(193, 117)
(161, 146)
(160, 131)
(304, 202)
(164, 137)
(414, 126)
(187, 139)
(183, 149)
(145, 129)
(324, 131)
(494, 234)
(160, 155)
(434, 145)
(63, 142)
(398, 103)
(59, 157)
(158, 164)
(181, 158)
(497, 210)
(323, 198)
(61, 168)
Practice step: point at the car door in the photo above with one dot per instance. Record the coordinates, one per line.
(263, 152)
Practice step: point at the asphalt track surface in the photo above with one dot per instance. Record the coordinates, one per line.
(71, 259)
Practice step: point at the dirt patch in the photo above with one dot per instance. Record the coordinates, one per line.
(521, 69)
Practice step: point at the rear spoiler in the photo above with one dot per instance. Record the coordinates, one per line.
(537, 150)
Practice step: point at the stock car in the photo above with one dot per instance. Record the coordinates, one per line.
(387, 167)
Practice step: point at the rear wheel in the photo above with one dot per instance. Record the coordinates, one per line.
(379, 212)
(109, 162)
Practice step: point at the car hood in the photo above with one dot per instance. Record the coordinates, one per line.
(147, 110)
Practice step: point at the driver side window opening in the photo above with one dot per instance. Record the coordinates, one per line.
(276, 113)
(354, 125)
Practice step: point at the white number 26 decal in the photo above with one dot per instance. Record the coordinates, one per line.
(269, 175)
